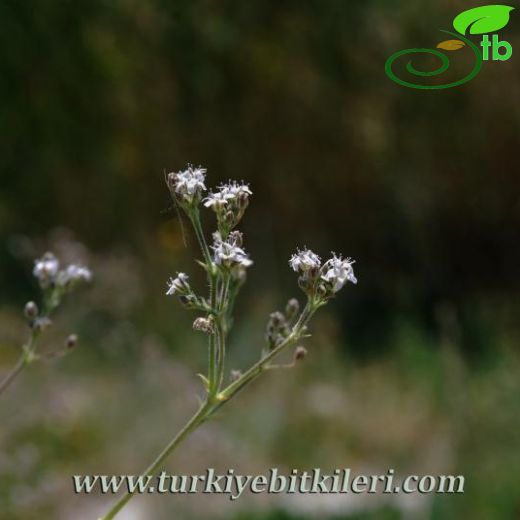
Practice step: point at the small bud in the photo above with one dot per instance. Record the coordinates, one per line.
(171, 179)
(30, 310)
(292, 308)
(71, 341)
(229, 219)
(243, 200)
(276, 330)
(204, 325)
(276, 319)
(235, 375)
(299, 353)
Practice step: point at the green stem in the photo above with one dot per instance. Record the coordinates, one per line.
(11, 376)
(200, 416)
(194, 216)
(26, 357)
(195, 220)
(211, 406)
(259, 366)
(221, 329)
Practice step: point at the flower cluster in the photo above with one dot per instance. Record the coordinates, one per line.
(228, 254)
(322, 280)
(47, 272)
(225, 262)
(229, 203)
(187, 186)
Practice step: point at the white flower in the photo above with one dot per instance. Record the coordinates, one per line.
(304, 261)
(188, 183)
(216, 200)
(234, 189)
(46, 268)
(226, 194)
(178, 285)
(228, 253)
(73, 274)
(338, 271)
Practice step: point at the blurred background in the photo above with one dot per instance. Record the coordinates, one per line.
(416, 368)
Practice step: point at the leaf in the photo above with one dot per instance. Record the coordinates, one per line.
(451, 45)
(482, 20)
(205, 381)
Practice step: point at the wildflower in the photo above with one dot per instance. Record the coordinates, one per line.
(236, 190)
(216, 201)
(178, 285)
(305, 261)
(337, 271)
(227, 253)
(45, 269)
(72, 275)
(229, 203)
(188, 185)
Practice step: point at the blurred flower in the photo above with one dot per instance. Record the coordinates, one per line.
(292, 308)
(71, 341)
(299, 353)
(73, 274)
(45, 269)
(31, 310)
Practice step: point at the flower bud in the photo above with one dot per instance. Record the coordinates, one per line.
(235, 375)
(299, 353)
(30, 310)
(276, 330)
(229, 219)
(71, 341)
(292, 308)
(243, 200)
(204, 325)
(276, 319)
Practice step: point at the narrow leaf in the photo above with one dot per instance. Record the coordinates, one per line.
(205, 381)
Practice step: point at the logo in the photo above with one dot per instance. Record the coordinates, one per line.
(478, 21)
